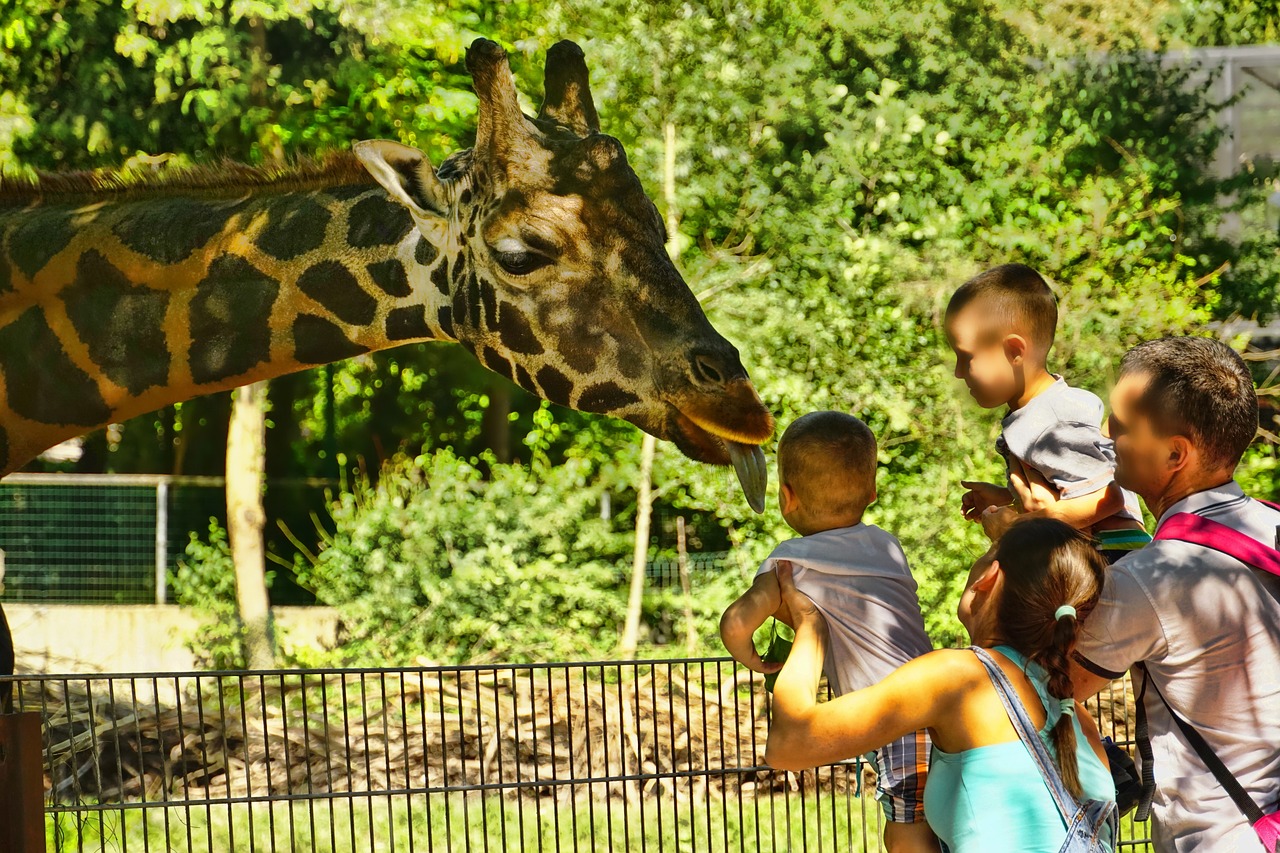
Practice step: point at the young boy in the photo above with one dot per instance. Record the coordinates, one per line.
(1000, 325)
(857, 575)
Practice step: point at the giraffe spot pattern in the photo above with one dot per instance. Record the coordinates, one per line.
(489, 300)
(440, 277)
(444, 319)
(391, 277)
(407, 322)
(473, 301)
(516, 333)
(496, 362)
(606, 397)
(333, 286)
(424, 253)
(318, 341)
(555, 386)
(230, 319)
(6, 275)
(121, 323)
(348, 192)
(524, 380)
(295, 226)
(168, 231)
(38, 236)
(60, 392)
(377, 221)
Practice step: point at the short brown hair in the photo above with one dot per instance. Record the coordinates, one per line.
(829, 459)
(1019, 298)
(1200, 388)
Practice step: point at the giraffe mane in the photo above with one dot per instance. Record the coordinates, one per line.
(337, 168)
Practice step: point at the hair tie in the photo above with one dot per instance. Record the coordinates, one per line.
(1064, 610)
(1069, 707)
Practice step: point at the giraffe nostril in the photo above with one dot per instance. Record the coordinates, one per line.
(706, 372)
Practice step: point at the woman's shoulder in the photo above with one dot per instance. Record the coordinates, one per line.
(958, 668)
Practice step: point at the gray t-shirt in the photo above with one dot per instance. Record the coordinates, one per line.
(1208, 629)
(1059, 433)
(858, 578)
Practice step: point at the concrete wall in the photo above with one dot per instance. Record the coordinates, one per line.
(74, 638)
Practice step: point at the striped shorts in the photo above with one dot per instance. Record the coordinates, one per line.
(902, 768)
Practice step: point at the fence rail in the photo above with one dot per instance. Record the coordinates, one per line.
(651, 755)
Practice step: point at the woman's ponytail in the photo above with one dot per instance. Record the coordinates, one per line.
(1052, 579)
(1056, 661)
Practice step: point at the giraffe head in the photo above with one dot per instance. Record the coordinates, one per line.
(553, 269)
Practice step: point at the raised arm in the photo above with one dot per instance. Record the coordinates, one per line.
(806, 734)
(740, 620)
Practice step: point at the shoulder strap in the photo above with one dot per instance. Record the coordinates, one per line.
(1198, 530)
(1067, 805)
(1234, 789)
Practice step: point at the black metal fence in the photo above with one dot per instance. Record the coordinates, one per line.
(658, 755)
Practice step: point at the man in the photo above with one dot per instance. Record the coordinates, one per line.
(1203, 626)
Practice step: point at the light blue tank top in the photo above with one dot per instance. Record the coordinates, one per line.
(992, 799)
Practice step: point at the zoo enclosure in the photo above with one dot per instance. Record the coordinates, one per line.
(651, 755)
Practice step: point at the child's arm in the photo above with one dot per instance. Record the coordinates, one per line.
(744, 616)
(1080, 512)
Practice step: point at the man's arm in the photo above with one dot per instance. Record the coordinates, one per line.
(1086, 683)
(741, 619)
(1085, 511)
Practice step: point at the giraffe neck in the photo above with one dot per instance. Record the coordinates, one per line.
(110, 309)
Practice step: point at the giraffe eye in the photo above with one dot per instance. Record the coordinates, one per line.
(520, 262)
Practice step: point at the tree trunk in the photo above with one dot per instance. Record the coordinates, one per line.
(644, 489)
(682, 558)
(496, 424)
(246, 462)
(640, 557)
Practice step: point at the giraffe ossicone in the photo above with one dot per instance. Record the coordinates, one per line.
(537, 250)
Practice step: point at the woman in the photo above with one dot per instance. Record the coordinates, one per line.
(1021, 605)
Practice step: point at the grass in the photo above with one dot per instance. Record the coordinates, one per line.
(790, 821)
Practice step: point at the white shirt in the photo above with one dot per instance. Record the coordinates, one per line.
(1207, 628)
(859, 579)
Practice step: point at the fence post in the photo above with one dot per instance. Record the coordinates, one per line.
(162, 540)
(21, 784)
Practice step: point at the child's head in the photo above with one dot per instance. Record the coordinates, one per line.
(1030, 591)
(1000, 324)
(826, 471)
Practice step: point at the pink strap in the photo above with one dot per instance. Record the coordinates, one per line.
(1198, 530)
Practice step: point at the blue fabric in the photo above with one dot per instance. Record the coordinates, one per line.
(993, 799)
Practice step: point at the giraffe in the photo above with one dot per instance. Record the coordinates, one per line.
(536, 249)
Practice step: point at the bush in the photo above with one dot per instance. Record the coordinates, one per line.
(438, 562)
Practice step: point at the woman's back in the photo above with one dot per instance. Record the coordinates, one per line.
(993, 798)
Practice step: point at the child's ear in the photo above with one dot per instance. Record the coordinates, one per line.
(788, 497)
(1015, 348)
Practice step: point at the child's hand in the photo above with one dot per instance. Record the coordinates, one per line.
(996, 520)
(981, 496)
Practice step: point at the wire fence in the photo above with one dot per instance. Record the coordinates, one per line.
(657, 755)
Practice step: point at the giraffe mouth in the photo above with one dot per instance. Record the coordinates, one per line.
(710, 442)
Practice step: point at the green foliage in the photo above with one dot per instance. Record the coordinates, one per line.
(206, 582)
(435, 561)
(841, 167)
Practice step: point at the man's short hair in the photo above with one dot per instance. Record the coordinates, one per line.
(829, 459)
(1200, 388)
(1016, 297)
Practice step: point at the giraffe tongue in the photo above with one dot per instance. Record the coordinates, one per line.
(753, 473)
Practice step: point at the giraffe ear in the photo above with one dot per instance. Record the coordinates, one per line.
(568, 93)
(406, 174)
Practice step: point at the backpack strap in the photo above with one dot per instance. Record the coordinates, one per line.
(1066, 803)
(1229, 783)
(1198, 530)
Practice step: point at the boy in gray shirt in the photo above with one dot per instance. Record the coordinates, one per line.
(1001, 325)
(858, 577)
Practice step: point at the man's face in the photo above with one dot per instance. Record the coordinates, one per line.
(1142, 451)
(982, 359)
